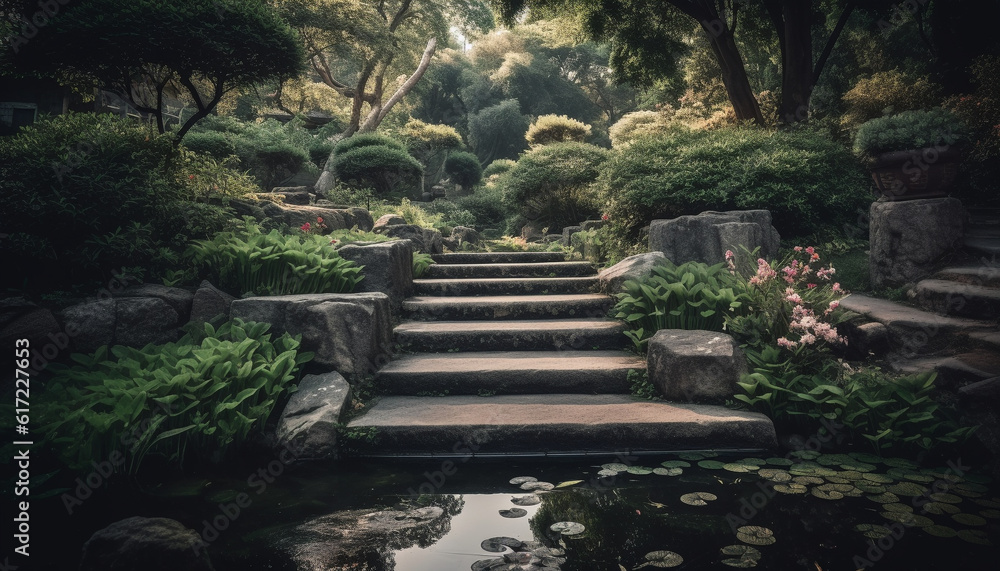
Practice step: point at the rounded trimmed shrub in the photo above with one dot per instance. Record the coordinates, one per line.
(548, 129)
(213, 143)
(386, 170)
(909, 130)
(464, 169)
(367, 140)
(497, 132)
(498, 166)
(319, 153)
(278, 162)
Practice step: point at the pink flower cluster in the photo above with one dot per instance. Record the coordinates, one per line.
(765, 273)
(810, 329)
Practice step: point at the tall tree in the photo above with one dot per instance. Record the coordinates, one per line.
(145, 50)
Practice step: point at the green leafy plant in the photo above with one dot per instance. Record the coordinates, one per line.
(640, 386)
(692, 295)
(548, 129)
(589, 244)
(367, 140)
(421, 261)
(251, 262)
(463, 168)
(204, 395)
(933, 128)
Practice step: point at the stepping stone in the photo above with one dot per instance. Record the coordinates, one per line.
(499, 257)
(973, 366)
(910, 326)
(510, 372)
(955, 298)
(506, 286)
(554, 423)
(543, 270)
(541, 335)
(988, 276)
(508, 307)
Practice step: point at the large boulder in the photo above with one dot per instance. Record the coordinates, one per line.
(94, 322)
(350, 332)
(706, 236)
(388, 220)
(910, 238)
(424, 239)
(209, 302)
(465, 235)
(334, 219)
(299, 195)
(130, 321)
(179, 299)
(150, 544)
(22, 319)
(695, 366)
(388, 268)
(308, 424)
(631, 268)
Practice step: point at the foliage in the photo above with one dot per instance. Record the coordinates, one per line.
(145, 49)
(319, 153)
(498, 167)
(497, 132)
(590, 244)
(640, 386)
(212, 143)
(981, 113)
(692, 295)
(548, 129)
(886, 93)
(204, 396)
(385, 169)
(86, 194)
(552, 185)
(934, 128)
(367, 140)
(464, 169)
(421, 261)
(251, 262)
(486, 206)
(451, 213)
(420, 136)
(641, 124)
(801, 175)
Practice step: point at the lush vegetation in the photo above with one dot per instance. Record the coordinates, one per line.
(936, 130)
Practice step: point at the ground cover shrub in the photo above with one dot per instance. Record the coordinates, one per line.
(463, 168)
(638, 124)
(933, 128)
(548, 129)
(203, 396)
(552, 185)
(385, 169)
(486, 206)
(250, 262)
(498, 167)
(802, 176)
(85, 195)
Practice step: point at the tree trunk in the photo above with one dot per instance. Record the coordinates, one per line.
(797, 67)
(734, 74)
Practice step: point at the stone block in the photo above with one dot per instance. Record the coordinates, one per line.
(387, 220)
(424, 239)
(351, 333)
(387, 268)
(298, 195)
(631, 268)
(695, 366)
(209, 302)
(706, 236)
(308, 424)
(150, 544)
(567, 234)
(909, 239)
(179, 299)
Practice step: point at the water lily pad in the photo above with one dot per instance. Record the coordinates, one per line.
(978, 478)
(529, 500)
(639, 470)
(698, 498)
(668, 471)
(907, 489)
(853, 475)
(489, 564)
(897, 508)
(568, 528)
(740, 563)
(513, 513)
(522, 479)
(938, 508)
(946, 498)
(754, 461)
(498, 544)
(790, 488)
(908, 519)
(675, 464)
(837, 480)
(692, 456)
(662, 559)
(806, 454)
(872, 530)
(992, 503)
(869, 488)
(740, 467)
(878, 478)
(940, 531)
(865, 457)
(804, 469)
(992, 514)
(971, 520)
(858, 466)
(755, 535)
(976, 536)
(604, 473)
(774, 475)
(711, 464)
(886, 498)
(568, 483)
(534, 486)
(779, 462)
(741, 556)
(833, 459)
(808, 480)
(827, 494)
(922, 478)
(899, 463)
(971, 487)
(616, 466)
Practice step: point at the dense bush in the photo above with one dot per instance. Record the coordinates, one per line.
(497, 132)
(885, 93)
(802, 176)
(210, 143)
(85, 195)
(319, 153)
(367, 140)
(385, 169)
(203, 396)
(486, 206)
(498, 167)
(641, 124)
(548, 129)
(464, 169)
(552, 185)
(933, 128)
(981, 113)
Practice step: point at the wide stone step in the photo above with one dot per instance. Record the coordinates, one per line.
(913, 330)
(506, 286)
(556, 423)
(507, 307)
(499, 257)
(983, 245)
(531, 270)
(988, 276)
(510, 372)
(955, 298)
(519, 335)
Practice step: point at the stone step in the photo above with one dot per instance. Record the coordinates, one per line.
(954, 298)
(913, 330)
(952, 370)
(529, 270)
(987, 246)
(507, 307)
(981, 275)
(510, 372)
(555, 423)
(506, 286)
(548, 335)
(499, 257)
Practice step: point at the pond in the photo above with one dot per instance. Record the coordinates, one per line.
(695, 510)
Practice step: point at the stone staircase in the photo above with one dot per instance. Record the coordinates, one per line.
(513, 354)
